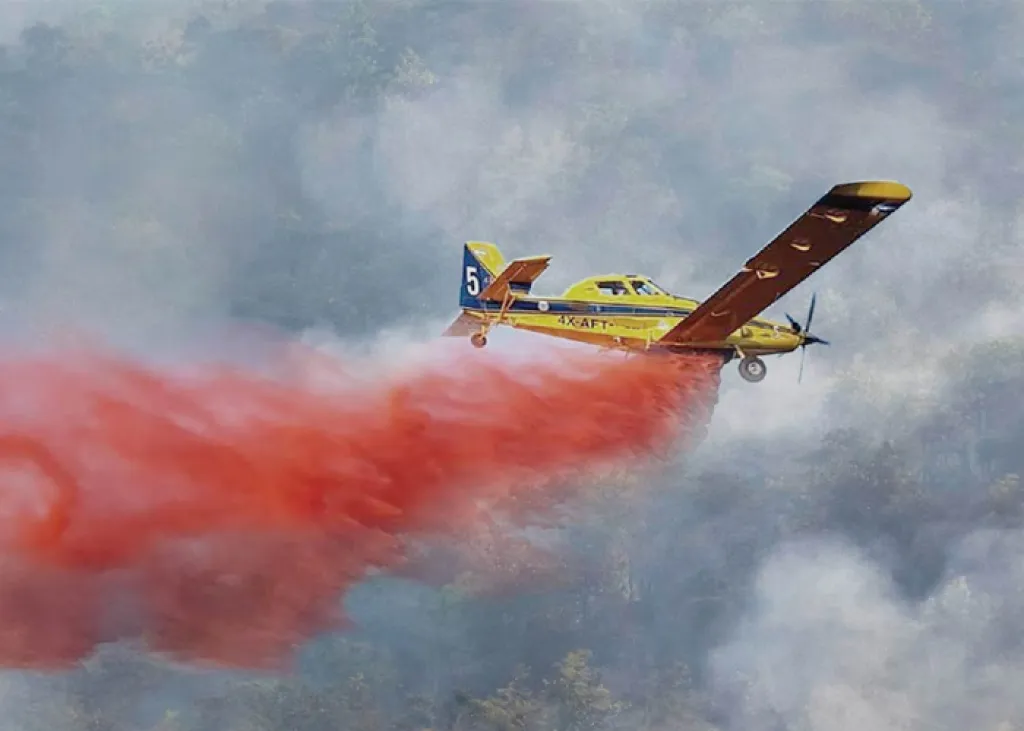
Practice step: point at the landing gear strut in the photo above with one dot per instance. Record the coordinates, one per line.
(478, 340)
(753, 369)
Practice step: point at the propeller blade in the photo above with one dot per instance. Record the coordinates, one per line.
(808, 339)
(794, 324)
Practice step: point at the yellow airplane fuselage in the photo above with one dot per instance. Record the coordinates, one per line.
(631, 312)
(603, 322)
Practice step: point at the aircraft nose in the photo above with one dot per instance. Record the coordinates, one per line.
(786, 338)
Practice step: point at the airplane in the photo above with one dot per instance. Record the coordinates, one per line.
(631, 312)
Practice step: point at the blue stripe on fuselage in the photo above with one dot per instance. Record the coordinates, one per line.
(579, 308)
(575, 308)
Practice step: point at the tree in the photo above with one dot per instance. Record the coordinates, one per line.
(512, 708)
(583, 703)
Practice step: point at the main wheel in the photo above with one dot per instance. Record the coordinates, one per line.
(479, 340)
(753, 369)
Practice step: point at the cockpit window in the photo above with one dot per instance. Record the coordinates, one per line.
(646, 288)
(612, 288)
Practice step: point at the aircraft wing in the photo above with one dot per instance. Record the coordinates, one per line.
(835, 221)
(520, 274)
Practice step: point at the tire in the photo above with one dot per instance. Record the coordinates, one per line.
(753, 369)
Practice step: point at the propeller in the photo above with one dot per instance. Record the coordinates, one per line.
(808, 339)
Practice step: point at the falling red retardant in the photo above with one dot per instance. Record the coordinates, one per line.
(218, 515)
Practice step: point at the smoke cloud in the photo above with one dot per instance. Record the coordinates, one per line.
(313, 168)
(830, 643)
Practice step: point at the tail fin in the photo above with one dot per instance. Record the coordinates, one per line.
(481, 263)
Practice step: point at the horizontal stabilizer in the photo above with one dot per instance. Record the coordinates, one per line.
(517, 277)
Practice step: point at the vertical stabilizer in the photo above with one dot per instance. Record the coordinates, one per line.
(481, 263)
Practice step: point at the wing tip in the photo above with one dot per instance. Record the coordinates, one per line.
(874, 189)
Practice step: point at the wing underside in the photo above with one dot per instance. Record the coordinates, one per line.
(828, 227)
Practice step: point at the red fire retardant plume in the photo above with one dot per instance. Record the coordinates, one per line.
(218, 515)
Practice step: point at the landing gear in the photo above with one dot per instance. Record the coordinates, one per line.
(753, 369)
(478, 340)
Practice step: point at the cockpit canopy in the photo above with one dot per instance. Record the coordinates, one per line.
(646, 287)
(612, 287)
(617, 286)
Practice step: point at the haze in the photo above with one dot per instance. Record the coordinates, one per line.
(838, 554)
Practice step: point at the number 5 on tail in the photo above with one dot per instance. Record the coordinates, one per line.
(472, 282)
